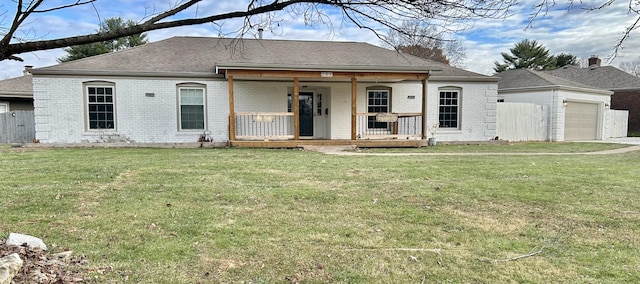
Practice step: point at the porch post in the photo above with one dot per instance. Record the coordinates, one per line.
(424, 106)
(354, 91)
(296, 109)
(232, 111)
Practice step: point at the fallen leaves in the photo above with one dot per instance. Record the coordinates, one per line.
(43, 267)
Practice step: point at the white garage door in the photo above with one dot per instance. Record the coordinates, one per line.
(580, 121)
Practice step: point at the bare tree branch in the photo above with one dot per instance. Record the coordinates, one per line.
(562, 236)
(173, 11)
(376, 16)
(633, 7)
(632, 67)
(78, 3)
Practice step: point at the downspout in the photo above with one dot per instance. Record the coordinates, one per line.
(553, 136)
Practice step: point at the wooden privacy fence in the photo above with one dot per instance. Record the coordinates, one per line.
(17, 127)
(522, 122)
(618, 121)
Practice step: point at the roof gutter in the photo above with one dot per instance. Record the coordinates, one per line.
(21, 94)
(436, 78)
(333, 68)
(627, 89)
(111, 73)
(555, 87)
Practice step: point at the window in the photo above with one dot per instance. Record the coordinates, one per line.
(4, 107)
(449, 108)
(100, 107)
(378, 102)
(191, 108)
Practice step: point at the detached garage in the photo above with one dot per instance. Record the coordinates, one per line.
(581, 121)
(576, 111)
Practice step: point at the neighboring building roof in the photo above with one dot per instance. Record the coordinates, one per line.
(19, 87)
(202, 56)
(602, 77)
(522, 79)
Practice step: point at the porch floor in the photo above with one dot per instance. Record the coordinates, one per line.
(344, 142)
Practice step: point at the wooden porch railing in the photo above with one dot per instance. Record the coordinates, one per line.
(264, 125)
(389, 126)
(372, 126)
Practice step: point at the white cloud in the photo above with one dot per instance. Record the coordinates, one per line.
(576, 31)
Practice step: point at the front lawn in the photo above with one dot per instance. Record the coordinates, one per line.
(512, 147)
(288, 216)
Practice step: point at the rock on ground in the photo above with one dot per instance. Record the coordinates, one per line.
(9, 267)
(40, 266)
(20, 239)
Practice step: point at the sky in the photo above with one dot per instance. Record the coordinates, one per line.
(563, 28)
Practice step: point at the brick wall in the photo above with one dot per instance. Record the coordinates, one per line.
(628, 100)
(61, 117)
(477, 108)
(60, 110)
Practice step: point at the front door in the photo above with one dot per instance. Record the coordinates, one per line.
(306, 114)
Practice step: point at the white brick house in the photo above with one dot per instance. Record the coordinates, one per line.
(245, 91)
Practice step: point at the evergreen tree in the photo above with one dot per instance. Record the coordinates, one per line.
(564, 59)
(526, 54)
(101, 47)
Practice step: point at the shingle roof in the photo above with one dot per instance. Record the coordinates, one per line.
(201, 55)
(17, 87)
(523, 78)
(602, 77)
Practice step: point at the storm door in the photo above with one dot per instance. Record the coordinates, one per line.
(306, 114)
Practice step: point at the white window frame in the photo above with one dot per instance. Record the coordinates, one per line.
(388, 106)
(458, 105)
(89, 103)
(204, 106)
(5, 106)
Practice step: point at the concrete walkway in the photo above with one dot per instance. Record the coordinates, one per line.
(621, 140)
(350, 151)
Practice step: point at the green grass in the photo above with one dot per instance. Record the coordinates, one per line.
(272, 216)
(514, 147)
(635, 133)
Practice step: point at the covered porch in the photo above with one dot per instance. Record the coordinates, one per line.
(367, 126)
